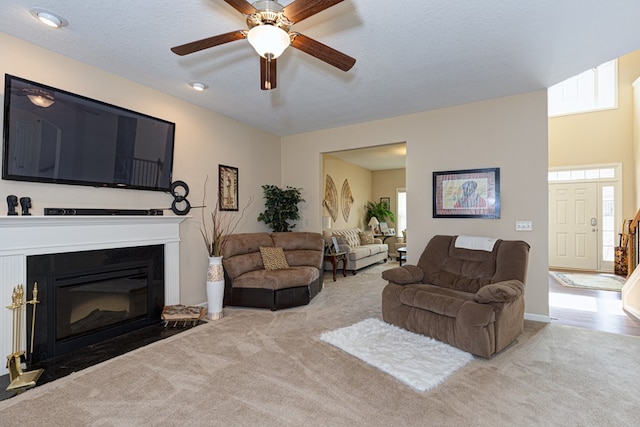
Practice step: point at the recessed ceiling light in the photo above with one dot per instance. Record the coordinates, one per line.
(49, 18)
(199, 86)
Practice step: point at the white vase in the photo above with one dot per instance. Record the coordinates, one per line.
(215, 288)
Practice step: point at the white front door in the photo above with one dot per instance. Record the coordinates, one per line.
(573, 225)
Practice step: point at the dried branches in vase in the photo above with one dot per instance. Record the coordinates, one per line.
(219, 226)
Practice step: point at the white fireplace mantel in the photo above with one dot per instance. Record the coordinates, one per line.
(22, 236)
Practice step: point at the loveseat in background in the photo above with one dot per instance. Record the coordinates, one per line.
(359, 252)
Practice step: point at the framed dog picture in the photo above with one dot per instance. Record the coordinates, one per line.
(471, 193)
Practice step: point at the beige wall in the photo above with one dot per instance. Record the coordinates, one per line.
(602, 136)
(385, 184)
(509, 133)
(203, 140)
(495, 133)
(359, 180)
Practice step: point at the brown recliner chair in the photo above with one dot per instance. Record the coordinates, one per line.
(472, 299)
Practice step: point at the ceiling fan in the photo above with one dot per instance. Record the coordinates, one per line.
(269, 33)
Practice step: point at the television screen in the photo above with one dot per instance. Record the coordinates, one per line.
(55, 136)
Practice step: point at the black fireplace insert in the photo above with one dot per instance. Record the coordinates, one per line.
(91, 296)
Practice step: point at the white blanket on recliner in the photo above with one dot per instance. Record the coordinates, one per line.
(477, 243)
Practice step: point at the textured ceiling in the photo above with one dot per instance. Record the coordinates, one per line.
(412, 55)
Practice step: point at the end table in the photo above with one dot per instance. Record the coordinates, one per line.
(402, 254)
(334, 259)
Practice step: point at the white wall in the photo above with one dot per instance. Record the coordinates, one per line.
(203, 140)
(509, 133)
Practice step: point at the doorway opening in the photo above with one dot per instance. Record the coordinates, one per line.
(585, 219)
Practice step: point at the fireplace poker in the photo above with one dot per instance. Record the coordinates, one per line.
(34, 301)
(12, 307)
(19, 301)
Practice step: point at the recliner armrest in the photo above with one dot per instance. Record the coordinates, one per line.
(505, 291)
(404, 275)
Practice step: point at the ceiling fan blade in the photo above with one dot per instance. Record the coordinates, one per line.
(267, 73)
(302, 9)
(322, 51)
(192, 47)
(242, 6)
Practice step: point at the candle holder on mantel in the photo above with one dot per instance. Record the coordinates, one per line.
(19, 379)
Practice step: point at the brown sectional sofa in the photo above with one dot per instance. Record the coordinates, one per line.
(472, 299)
(249, 284)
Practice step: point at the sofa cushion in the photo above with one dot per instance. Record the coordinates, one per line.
(277, 279)
(378, 248)
(350, 235)
(366, 237)
(447, 302)
(359, 252)
(301, 248)
(443, 301)
(240, 244)
(236, 265)
(456, 281)
(300, 240)
(273, 258)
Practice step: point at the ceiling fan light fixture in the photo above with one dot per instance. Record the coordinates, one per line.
(199, 86)
(49, 18)
(39, 97)
(268, 40)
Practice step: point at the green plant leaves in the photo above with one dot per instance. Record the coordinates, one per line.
(281, 207)
(380, 210)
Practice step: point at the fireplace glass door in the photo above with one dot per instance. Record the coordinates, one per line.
(100, 301)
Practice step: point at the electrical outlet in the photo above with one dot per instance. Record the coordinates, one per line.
(524, 226)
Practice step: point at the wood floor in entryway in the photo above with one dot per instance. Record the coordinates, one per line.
(599, 310)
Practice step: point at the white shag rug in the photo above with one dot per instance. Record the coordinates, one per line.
(418, 361)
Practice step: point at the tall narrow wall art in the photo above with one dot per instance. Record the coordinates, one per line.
(330, 200)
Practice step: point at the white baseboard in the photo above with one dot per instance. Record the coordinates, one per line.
(537, 317)
(632, 312)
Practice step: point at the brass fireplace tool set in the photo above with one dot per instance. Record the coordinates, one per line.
(18, 378)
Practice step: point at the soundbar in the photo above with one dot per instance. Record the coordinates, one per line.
(94, 211)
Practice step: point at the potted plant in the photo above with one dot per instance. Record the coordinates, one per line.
(379, 210)
(281, 207)
(215, 233)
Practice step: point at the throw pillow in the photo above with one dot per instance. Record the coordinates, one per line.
(273, 258)
(366, 238)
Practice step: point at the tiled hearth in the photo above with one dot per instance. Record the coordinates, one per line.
(23, 236)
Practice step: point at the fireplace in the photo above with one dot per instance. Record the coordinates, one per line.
(27, 236)
(90, 296)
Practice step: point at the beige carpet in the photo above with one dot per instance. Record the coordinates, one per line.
(603, 282)
(262, 368)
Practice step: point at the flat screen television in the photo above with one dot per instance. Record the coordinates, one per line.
(54, 136)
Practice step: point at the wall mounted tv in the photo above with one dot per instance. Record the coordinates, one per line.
(54, 136)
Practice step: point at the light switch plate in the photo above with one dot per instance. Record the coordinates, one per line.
(524, 226)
